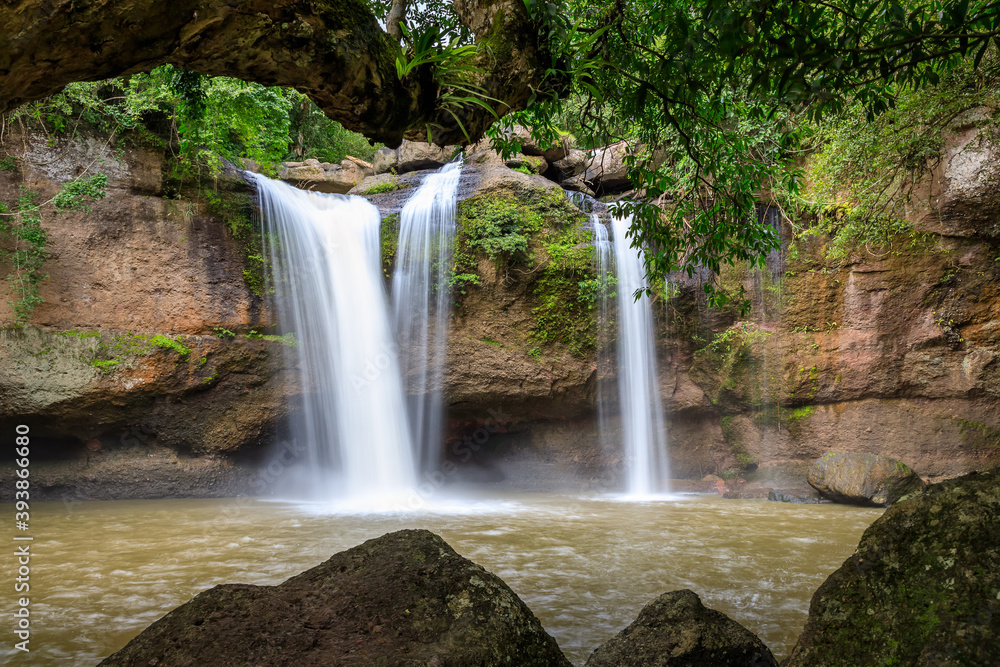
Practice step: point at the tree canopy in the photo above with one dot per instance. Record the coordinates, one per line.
(718, 100)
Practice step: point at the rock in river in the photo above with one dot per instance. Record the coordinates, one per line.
(863, 479)
(677, 630)
(923, 587)
(405, 598)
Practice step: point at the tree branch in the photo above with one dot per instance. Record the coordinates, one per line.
(333, 51)
(397, 14)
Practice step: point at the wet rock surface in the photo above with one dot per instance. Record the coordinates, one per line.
(923, 587)
(405, 598)
(800, 496)
(863, 479)
(325, 176)
(677, 630)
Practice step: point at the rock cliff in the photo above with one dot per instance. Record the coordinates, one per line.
(154, 339)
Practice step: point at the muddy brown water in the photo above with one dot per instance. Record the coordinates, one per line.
(102, 571)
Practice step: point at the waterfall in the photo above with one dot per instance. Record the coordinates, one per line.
(325, 258)
(766, 299)
(421, 304)
(643, 427)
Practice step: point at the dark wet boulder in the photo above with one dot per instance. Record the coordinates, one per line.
(923, 587)
(800, 495)
(677, 630)
(863, 479)
(405, 598)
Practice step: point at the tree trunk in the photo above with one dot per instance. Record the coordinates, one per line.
(333, 51)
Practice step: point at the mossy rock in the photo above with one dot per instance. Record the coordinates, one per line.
(923, 587)
(677, 630)
(863, 479)
(405, 598)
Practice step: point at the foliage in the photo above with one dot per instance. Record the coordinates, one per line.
(390, 185)
(23, 239)
(432, 52)
(498, 226)
(429, 12)
(165, 343)
(713, 97)
(567, 291)
(216, 118)
(389, 242)
(313, 135)
(460, 282)
(105, 365)
(862, 172)
(287, 339)
(202, 120)
(74, 195)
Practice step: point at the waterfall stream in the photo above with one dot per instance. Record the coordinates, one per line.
(421, 303)
(353, 432)
(643, 427)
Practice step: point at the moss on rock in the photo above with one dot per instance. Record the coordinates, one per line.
(923, 587)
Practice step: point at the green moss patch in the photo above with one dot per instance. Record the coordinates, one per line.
(923, 587)
(385, 186)
(165, 343)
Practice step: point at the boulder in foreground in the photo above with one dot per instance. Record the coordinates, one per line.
(677, 630)
(923, 587)
(405, 598)
(863, 479)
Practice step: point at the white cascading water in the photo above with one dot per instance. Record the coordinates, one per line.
(643, 427)
(325, 255)
(421, 304)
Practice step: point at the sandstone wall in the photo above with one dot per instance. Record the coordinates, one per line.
(893, 353)
(85, 372)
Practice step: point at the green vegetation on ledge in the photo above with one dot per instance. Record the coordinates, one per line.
(536, 237)
(383, 187)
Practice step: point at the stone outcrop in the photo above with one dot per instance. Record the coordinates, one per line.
(923, 587)
(799, 496)
(336, 53)
(574, 164)
(149, 339)
(324, 176)
(405, 598)
(530, 146)
(863, 479)
(896, 353)
(412, 156)
(675, 629)
(606, 171)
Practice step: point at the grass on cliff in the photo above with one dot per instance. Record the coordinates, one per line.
(864, 174)
(23, 239)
